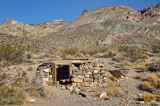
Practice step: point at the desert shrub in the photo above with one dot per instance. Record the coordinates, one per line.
(148, 97)
(113, 78)
(142, 67)
(152, 79)
(34, 92)
(133, 52)
(96, 94)
(30, 69)
(11, 95)
(95, 51)
(155, 47)
(112, 53)
(112, 91)
(12, 51)
(158, 74)
(152, 82)
(70, 51)
(146, 86)
(155, 66)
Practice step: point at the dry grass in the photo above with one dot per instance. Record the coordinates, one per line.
(96, 94)
(146, 86)
(112, 91)
(142, 67)
(144, 56)
(152, 79)
(158, 74)
(34, 92)
(148, 97)
(139, 76)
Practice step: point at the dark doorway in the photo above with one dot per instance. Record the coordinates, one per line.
(63, 74)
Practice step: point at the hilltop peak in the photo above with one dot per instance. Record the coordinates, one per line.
(10, 21)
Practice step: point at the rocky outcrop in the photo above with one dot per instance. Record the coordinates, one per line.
(151, 14)
(85, 12)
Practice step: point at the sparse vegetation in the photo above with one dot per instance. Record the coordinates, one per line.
(12, 51)
(132, 52)
(112, 91)
(15, 83)
(148, 97)
(155, 47)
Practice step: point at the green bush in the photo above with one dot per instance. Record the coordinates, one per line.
(12, 51)
(71, 51)
(10, 95)
(155, 47)
(133, 52)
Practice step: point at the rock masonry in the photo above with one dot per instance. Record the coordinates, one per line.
(46, 73)
(87, 76)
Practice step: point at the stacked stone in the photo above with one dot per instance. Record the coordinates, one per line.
(87, 76)
(46, 74)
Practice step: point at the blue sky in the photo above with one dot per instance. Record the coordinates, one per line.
(39, 11)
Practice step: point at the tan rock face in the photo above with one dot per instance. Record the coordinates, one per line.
(13, 27)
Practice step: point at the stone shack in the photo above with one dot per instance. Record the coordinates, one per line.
(59, 72)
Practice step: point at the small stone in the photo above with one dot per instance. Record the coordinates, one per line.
(76, 90)
(79, 84)
(103, 95)
(71, 89)
(32, 101)
(91, 76)
(47, 70)
(154, 103)
(74, 84)
(96, 77)
(82, 94)
(80, 77)
(68, 86)
(45, 79)
(87, 75)
(125, 77)
(79, 72)
(85, 84)
(88, 80)
(76, 80)
(63, 87)
(95, 71)
(141, 102)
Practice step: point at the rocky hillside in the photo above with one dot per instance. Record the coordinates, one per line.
(105, 13)
(104, 26)
(55, 24)
(13, 27)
